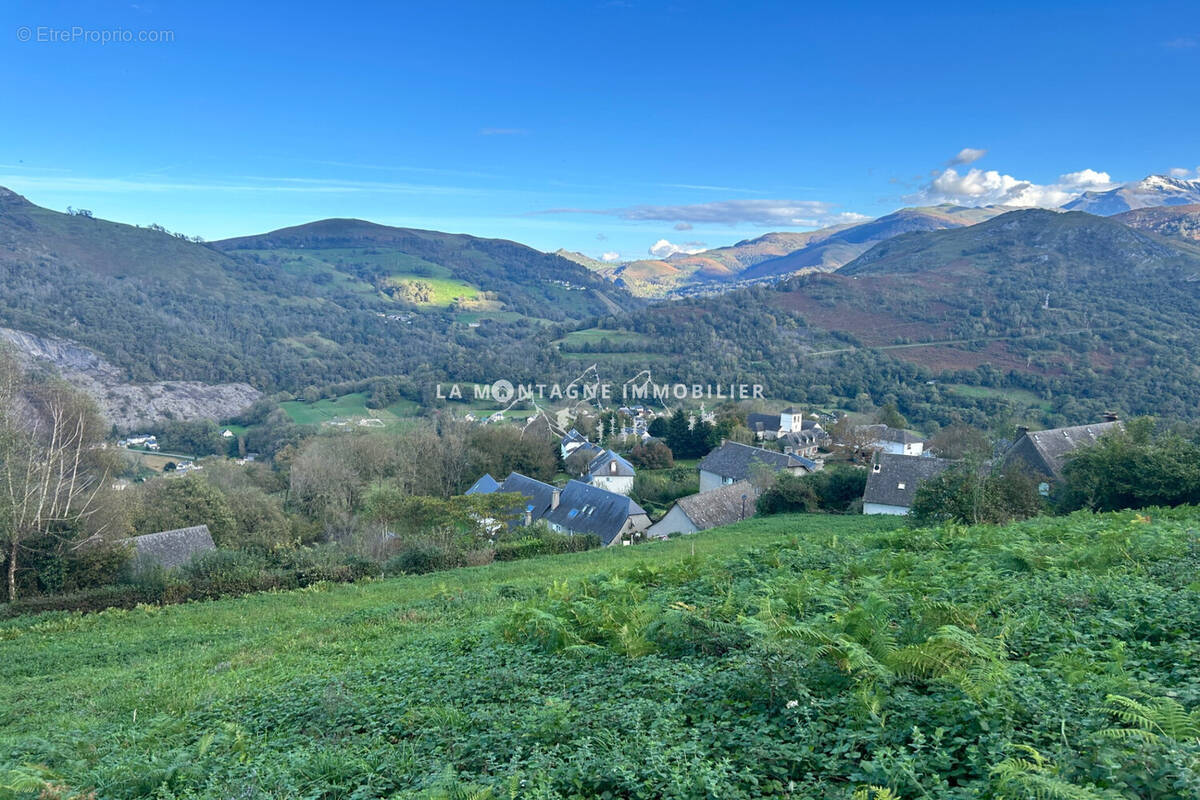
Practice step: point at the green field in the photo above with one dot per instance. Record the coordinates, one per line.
(445, 290)
(1019, 397)
(791, 657)
(349, 407)
(594, 336)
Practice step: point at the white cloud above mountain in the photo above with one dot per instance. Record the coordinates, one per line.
(979, 187)
(611, 255)
(662, 248)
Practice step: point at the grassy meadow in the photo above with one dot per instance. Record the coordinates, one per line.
(803, 656)
(347, 407)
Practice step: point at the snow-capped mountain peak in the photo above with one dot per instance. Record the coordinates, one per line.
(1155, 190)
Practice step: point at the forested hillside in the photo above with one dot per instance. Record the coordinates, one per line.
(288, 314)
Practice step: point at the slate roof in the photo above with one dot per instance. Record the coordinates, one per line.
(762, 422)
(894, 478)
(485, 485)
(584, 508)
(734, 460)
(723, 506)
(805, 437)
(573, 436)
(538, 496)
(600, 465)
(1046, 451)
(172, 548)
(883, 433)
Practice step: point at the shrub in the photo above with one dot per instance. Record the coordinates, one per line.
(652, 455)
(222, 572)
(417, 558)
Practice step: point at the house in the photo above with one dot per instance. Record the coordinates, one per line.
(895, 440)
(804, 442)
(733, 462)
(893, 480)
(581, 458)
(1044, 452)
(571, 442)
(609, 471)
(712, 509)
(584, 508)
(171, 549)
(227, 434)
(540, 497)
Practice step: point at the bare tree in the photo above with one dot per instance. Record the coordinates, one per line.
(51, 468)
(857, 440)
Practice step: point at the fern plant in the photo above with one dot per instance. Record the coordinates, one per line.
(1032, 777)
(1154, 719)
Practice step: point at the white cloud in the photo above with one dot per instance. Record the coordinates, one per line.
(683, 226)
(1087, 179)
(611, 255)
(977, 187)
(968, 155)
(1184, 172)
(662, 248)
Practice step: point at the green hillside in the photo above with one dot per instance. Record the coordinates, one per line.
(330, 302)
(516, 277)
(805, 656)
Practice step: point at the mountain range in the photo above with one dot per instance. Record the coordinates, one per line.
(1155, 190)
(774, 255)
(1057, 301)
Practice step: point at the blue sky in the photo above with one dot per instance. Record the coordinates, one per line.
(604, 127)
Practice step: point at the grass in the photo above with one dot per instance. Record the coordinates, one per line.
(633, 672)
(348, 407)
(445, 290)
(1020, 397)
(594, 336)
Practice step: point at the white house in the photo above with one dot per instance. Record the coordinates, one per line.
(893, 481)
(611, 472)
(895, 441)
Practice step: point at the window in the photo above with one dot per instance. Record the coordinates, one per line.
(900, 486)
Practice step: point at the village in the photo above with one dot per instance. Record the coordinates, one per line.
(734, 474)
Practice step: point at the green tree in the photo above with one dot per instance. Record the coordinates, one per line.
(968, 493)
(1138, 467)
(890, 415)
(789, 494)
(170, 503)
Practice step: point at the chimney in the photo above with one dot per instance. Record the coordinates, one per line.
(1111, 416)
(722, 443)
(554, 498)
(528, 518)
(1022, 430)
